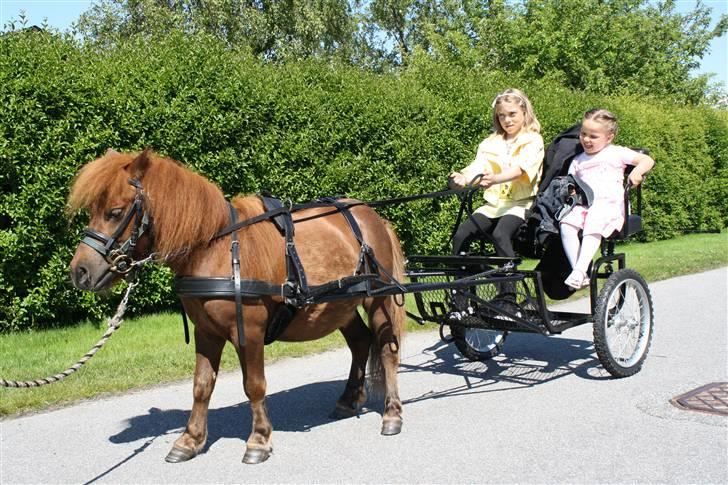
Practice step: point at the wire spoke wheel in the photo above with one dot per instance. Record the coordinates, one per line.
(478, 344)
(623, 323)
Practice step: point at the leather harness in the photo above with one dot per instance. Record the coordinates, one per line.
(295, 291)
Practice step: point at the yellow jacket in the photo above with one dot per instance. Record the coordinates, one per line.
(495, 154)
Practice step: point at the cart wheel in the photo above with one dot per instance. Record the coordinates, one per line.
(478, 344)
(623, 322)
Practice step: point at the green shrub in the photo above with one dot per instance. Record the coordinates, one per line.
(300, 130)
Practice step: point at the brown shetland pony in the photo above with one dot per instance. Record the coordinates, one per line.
(186, 212)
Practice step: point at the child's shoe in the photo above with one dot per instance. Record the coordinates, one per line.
(577, 280)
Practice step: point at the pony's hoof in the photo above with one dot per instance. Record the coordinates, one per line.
(253, 456)
(342, 412)
(391, 427)
(178, 455)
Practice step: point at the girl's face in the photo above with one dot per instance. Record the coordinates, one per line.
(511, 117)
(594, 136)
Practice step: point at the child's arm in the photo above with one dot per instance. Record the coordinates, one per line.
(643, 164)
(527, 161)
(505, 175)
(478, 166)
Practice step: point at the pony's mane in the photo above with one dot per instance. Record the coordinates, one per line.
(186, 209)
(96, 180)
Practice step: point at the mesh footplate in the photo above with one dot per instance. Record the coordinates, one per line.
(504, 301)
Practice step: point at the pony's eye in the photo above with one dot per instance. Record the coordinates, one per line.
(113, 214)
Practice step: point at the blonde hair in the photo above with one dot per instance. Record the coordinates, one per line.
(604, 117)
(518, 97)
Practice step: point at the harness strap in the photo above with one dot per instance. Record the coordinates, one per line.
(199, 287)
(282, 316)
(296, 276)
(235, 250)
(185, 324)
(224, 288)
(249, 222)
(270, 204)
(134, 211)
(96, 241)
(344, 209)
(367, 260)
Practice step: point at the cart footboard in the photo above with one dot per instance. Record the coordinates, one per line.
(497, 299)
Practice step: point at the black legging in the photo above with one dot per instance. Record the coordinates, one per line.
(501, 228)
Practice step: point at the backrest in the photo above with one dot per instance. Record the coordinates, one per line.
(559, 155)
(632, 219)
(557, 159)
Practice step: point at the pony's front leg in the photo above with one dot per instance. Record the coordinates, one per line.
(209, 350)
(259, 445)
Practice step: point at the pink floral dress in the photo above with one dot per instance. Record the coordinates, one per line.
(604, 173)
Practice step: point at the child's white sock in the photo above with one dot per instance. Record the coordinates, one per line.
(589, 245)
(570, 242)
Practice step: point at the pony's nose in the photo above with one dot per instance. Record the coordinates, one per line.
(81, 278)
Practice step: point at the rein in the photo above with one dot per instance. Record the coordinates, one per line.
(289, 207)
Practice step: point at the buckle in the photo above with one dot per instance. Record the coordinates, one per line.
(289, 290)
(120, 263)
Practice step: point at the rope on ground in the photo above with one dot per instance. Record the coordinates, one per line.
(114, 323)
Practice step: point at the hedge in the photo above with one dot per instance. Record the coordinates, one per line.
(301, 130)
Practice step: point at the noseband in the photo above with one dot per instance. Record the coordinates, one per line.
(119, 256)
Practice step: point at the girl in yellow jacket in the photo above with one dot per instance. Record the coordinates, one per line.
(510, 161)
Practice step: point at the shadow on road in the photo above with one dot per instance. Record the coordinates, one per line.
(297, 409)
(529, 360)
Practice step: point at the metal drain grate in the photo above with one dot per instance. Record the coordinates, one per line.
(711, 398)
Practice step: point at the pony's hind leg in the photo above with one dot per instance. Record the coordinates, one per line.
(208, 350)
(358, 338)
(387, 321)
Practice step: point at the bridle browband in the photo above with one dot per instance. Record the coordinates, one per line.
(119, 256)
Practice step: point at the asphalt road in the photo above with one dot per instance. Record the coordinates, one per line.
(544, 412)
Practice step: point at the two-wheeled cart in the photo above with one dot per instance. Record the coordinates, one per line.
(482, 298)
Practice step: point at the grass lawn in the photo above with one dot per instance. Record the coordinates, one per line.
(150, 350)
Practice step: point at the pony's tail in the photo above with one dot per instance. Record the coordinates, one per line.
(375, 376)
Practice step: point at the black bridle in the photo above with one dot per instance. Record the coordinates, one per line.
(119, 256)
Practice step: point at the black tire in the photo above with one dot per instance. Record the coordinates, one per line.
(623, 323)
(478, 344)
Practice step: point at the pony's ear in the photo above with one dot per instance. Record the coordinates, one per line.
(111, 152)
(139, 165)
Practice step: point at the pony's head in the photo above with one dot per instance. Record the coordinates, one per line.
(140, 203)
(111, 189)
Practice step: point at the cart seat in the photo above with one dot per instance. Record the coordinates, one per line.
(632, 226)
(553, 264)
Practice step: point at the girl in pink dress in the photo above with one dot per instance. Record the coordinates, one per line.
(601, 167)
